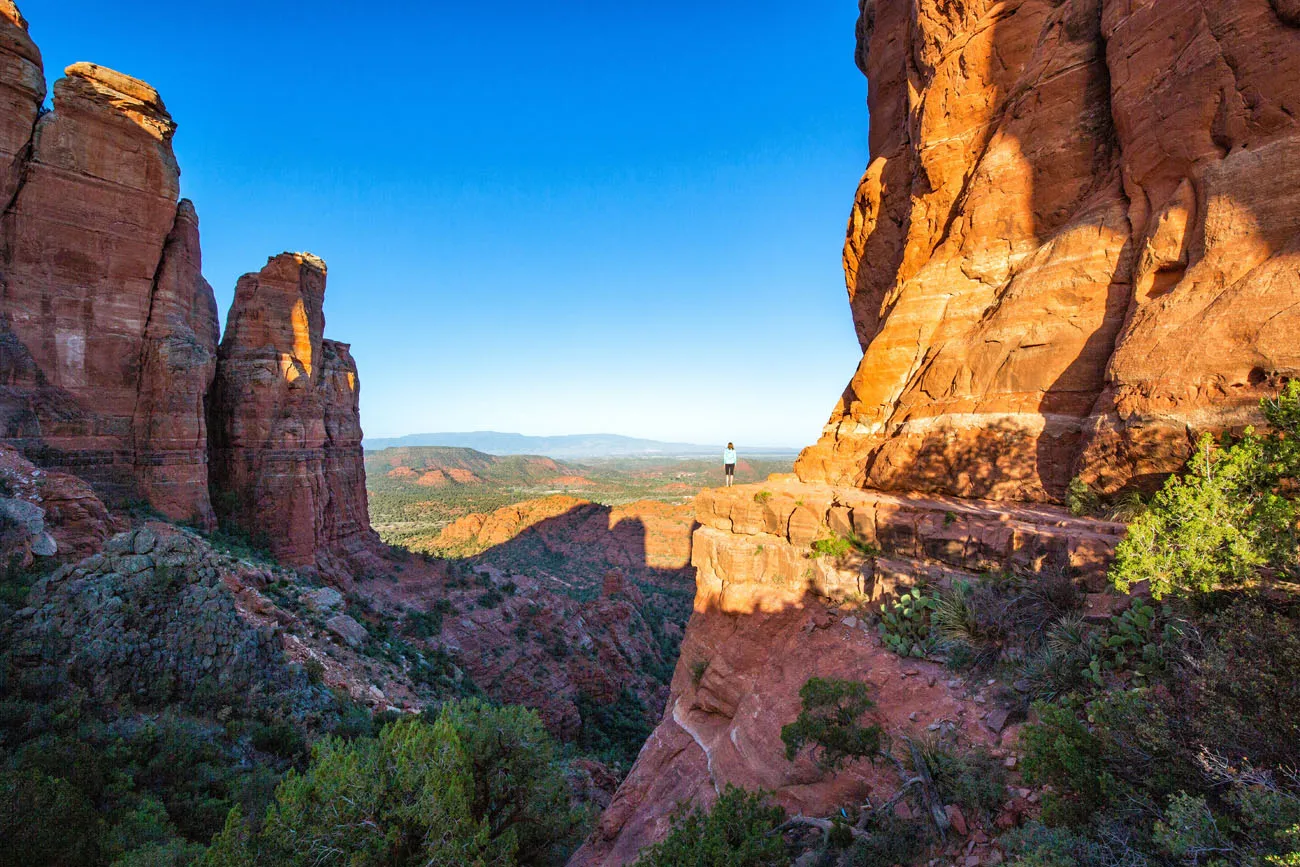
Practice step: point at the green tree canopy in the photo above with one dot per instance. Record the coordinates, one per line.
(477, 786)
(1231, 515)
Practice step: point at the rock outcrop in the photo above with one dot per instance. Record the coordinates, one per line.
(22, 92)
(108, 331)
(50, 514)
(770, 614)
(284, 427)
(1077, 245)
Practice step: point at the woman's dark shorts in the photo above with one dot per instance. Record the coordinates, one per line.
(730, 469)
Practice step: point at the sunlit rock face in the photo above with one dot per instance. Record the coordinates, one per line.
(107, 329)
(1077, 244)
(284, 427)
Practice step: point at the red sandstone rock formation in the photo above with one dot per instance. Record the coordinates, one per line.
(768, 617)
(178, 362)
(285, 435)
(75, 519)
(1077, 244)
(107, 331)
(22, 90)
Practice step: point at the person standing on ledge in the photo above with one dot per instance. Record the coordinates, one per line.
(729, 463)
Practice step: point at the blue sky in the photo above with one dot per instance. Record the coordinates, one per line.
(550, 218)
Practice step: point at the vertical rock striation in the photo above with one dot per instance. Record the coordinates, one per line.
(178, 362)
(108, 330)
(283, 423)
(1074, 247)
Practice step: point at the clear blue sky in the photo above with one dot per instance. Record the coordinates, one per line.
(565, 217)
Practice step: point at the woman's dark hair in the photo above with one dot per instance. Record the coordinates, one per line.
(731, 445)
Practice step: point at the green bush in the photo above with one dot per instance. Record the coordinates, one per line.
(738, 831)
(401, 799)
(829, 721)
(889, 841)
(616, 731)
(836, 546)
(1231, 516)
(427, 624)
(762, 497)
(974, 779)
(905, 624)
(842, 546)
(518, 787)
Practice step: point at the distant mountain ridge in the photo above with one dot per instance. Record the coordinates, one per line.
(568, 447)
(436, 466)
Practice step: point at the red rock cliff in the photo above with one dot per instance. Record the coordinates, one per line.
(107, 330)
(1077, 244)
(284, 426)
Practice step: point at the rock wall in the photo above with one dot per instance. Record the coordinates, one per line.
(284, 425)
(1075, 247)
(108, 331)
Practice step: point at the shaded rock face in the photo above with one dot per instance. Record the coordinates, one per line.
(22, 90)
(60, 515)
(107, 329)
(284, 425)
(155, 618)
(1075, 247)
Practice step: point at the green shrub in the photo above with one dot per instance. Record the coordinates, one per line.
(427, 624)
(836, 546)
(698, 667)
(975, 779)
(279, 738)
(517, 787)
(315, 670)
(905, 624)
(762, 497)
(1242, 698)
(614, 732)
(738, 831)
(889, 841)
(842, 546)
(829, 721)
(1230, 516)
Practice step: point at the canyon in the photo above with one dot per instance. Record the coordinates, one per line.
(1075, 250)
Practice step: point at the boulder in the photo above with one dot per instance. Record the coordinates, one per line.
(347, 630)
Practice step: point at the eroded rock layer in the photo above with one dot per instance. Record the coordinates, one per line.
(1076, 246)
(22, 90)
(285, 451)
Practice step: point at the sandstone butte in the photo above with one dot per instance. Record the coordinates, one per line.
(109, 364)
(1075, 249)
